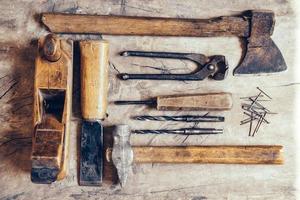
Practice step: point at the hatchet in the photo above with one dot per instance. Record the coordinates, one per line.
(123, 155)
(260, 56)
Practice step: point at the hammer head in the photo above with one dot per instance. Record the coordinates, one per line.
(122, 153)
(261, 54)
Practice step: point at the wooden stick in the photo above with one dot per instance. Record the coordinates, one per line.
(209, 154)
(123, 25)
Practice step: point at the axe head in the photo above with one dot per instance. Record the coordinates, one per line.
(261, 54)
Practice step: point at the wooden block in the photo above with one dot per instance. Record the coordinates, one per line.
(52, 109)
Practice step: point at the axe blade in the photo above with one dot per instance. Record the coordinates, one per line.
(261, 59)
(261, 55)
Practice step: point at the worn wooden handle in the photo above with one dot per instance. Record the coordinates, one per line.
(123, 25)
(209, 102)
(94, 78)
(210, 154)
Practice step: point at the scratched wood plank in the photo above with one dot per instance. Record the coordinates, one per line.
(18, 32)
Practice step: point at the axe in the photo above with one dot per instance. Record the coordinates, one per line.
(123, 155)
(255, 27)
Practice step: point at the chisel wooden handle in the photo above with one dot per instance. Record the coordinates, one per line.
(94, 79)
(209, 154)
(210, 101)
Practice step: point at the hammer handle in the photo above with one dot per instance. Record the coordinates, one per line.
(94, 79)
(124, 25)
(209, 154)
(207, 102)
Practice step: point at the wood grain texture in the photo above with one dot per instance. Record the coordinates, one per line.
(52, 107)
(210, 154)
(116, 25)
(206, 102)
(94, 79)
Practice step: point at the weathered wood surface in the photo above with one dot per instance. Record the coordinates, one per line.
(209, 154)
(116, 25)
(20, 29)
(202, 102)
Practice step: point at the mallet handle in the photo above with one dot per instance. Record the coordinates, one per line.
(124, 25)
(209, 154)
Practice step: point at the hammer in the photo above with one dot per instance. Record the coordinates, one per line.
(123, 155)
(255, 26)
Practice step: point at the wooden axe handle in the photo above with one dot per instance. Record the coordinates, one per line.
(124, 25)
(209, 154)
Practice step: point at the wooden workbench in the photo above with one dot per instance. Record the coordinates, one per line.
(19, 30)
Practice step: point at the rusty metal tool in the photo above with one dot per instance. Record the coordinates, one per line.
(214, 67)
(209, 102)
(94, 94)
(182, 131)
(261, 55)
(124, 156)
(52, 109)
(180, 118)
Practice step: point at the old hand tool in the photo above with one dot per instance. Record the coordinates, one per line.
(210, 101)
(123, 155)
(94, 93)
(52, 109)
(182, 131)
(180, 118)
(260, 56)
(214, 67)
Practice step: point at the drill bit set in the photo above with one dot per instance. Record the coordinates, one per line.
(53, 89)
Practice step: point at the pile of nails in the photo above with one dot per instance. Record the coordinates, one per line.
(255, 112)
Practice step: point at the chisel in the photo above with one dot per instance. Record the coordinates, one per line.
(208, 102)
(94, 91)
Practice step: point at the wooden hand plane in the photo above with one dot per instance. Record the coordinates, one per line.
(52, 109)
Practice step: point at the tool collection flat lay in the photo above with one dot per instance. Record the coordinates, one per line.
(53, 89)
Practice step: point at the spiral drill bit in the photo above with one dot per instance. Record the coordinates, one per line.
(181, 118)
(182, 131)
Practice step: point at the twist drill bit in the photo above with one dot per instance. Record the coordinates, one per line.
(181, 118)
(182, 131)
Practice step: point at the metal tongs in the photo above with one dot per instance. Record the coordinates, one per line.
(214, 67)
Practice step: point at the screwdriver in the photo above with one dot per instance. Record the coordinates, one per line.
(205, 101)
